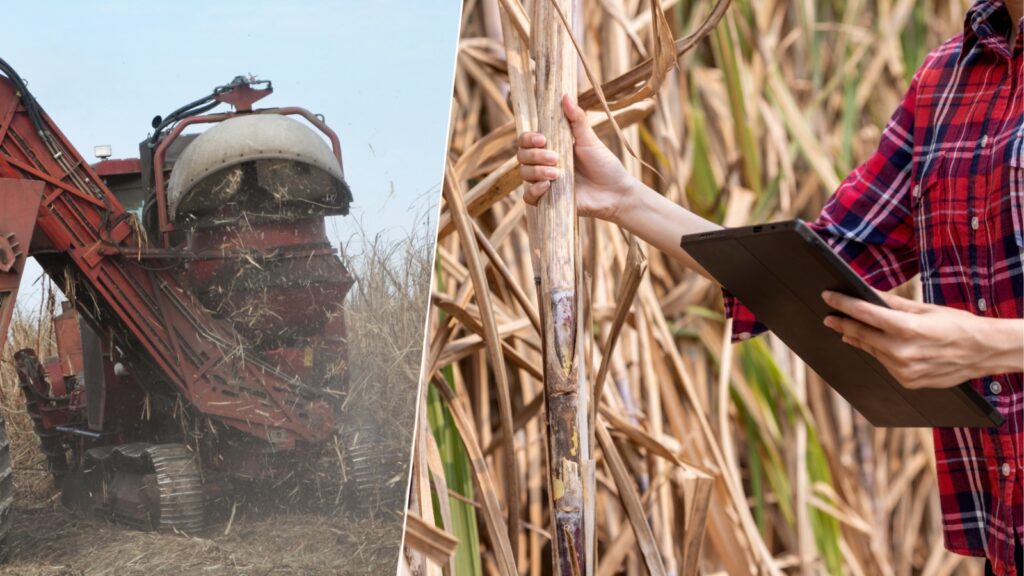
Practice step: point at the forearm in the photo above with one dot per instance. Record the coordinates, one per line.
(661, 222)
(1003, 341)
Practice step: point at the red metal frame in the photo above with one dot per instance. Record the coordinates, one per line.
(117, 167)
(19, 208)
(197, 353)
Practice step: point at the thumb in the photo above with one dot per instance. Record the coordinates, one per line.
(577, 117)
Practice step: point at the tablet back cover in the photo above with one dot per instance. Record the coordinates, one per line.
(779, 271)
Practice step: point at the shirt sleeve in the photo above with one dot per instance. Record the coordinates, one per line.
(868, 221)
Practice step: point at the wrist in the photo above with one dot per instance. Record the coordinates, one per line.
(1003, 340)
(633, 200)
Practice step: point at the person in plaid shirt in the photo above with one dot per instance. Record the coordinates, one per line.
(943, 197)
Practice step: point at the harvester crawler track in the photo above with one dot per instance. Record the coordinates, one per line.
(155, 486)
(364, 471)
(181, 487)
(6, 488)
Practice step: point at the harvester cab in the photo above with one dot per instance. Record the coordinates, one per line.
(203, 340)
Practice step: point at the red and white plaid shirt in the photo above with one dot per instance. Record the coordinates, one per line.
(943, 197)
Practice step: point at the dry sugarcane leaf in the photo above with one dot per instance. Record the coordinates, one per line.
(522, 93)
(696, 487)
(506, 275)
(631, 502)
(463, 347)
(436, 544)
(618, 14)
(623, 89)
(432, 456)
(468, 241)
(517, 17)
(636, 265)
(456, 349)
(638, 436)
(487, 84)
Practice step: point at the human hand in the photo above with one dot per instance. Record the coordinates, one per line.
(602, 183)
(922, 345)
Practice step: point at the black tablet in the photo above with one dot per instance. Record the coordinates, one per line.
(779, 271)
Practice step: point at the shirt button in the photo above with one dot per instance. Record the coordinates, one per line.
(744, 335)
(975, 223)
(917, 190)
(995, 387)
(981, 304)
(1005, 469)
(984, 140)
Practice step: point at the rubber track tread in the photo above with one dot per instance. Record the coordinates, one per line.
(6, 489)
(180, 485)
(364, 471)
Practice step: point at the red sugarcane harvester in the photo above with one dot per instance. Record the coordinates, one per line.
(203, 339)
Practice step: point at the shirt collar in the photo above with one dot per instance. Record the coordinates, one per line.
(987, 24)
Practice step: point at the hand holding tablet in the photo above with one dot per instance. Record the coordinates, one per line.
(779, 271)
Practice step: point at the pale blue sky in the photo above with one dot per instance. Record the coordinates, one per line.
(380, 72)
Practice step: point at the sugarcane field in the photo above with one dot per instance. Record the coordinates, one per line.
(592, 403)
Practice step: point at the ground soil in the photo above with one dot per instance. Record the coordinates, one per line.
(50, 540)
(324, 527)
(311, 531)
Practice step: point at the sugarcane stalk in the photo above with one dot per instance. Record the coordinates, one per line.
(565, 389)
